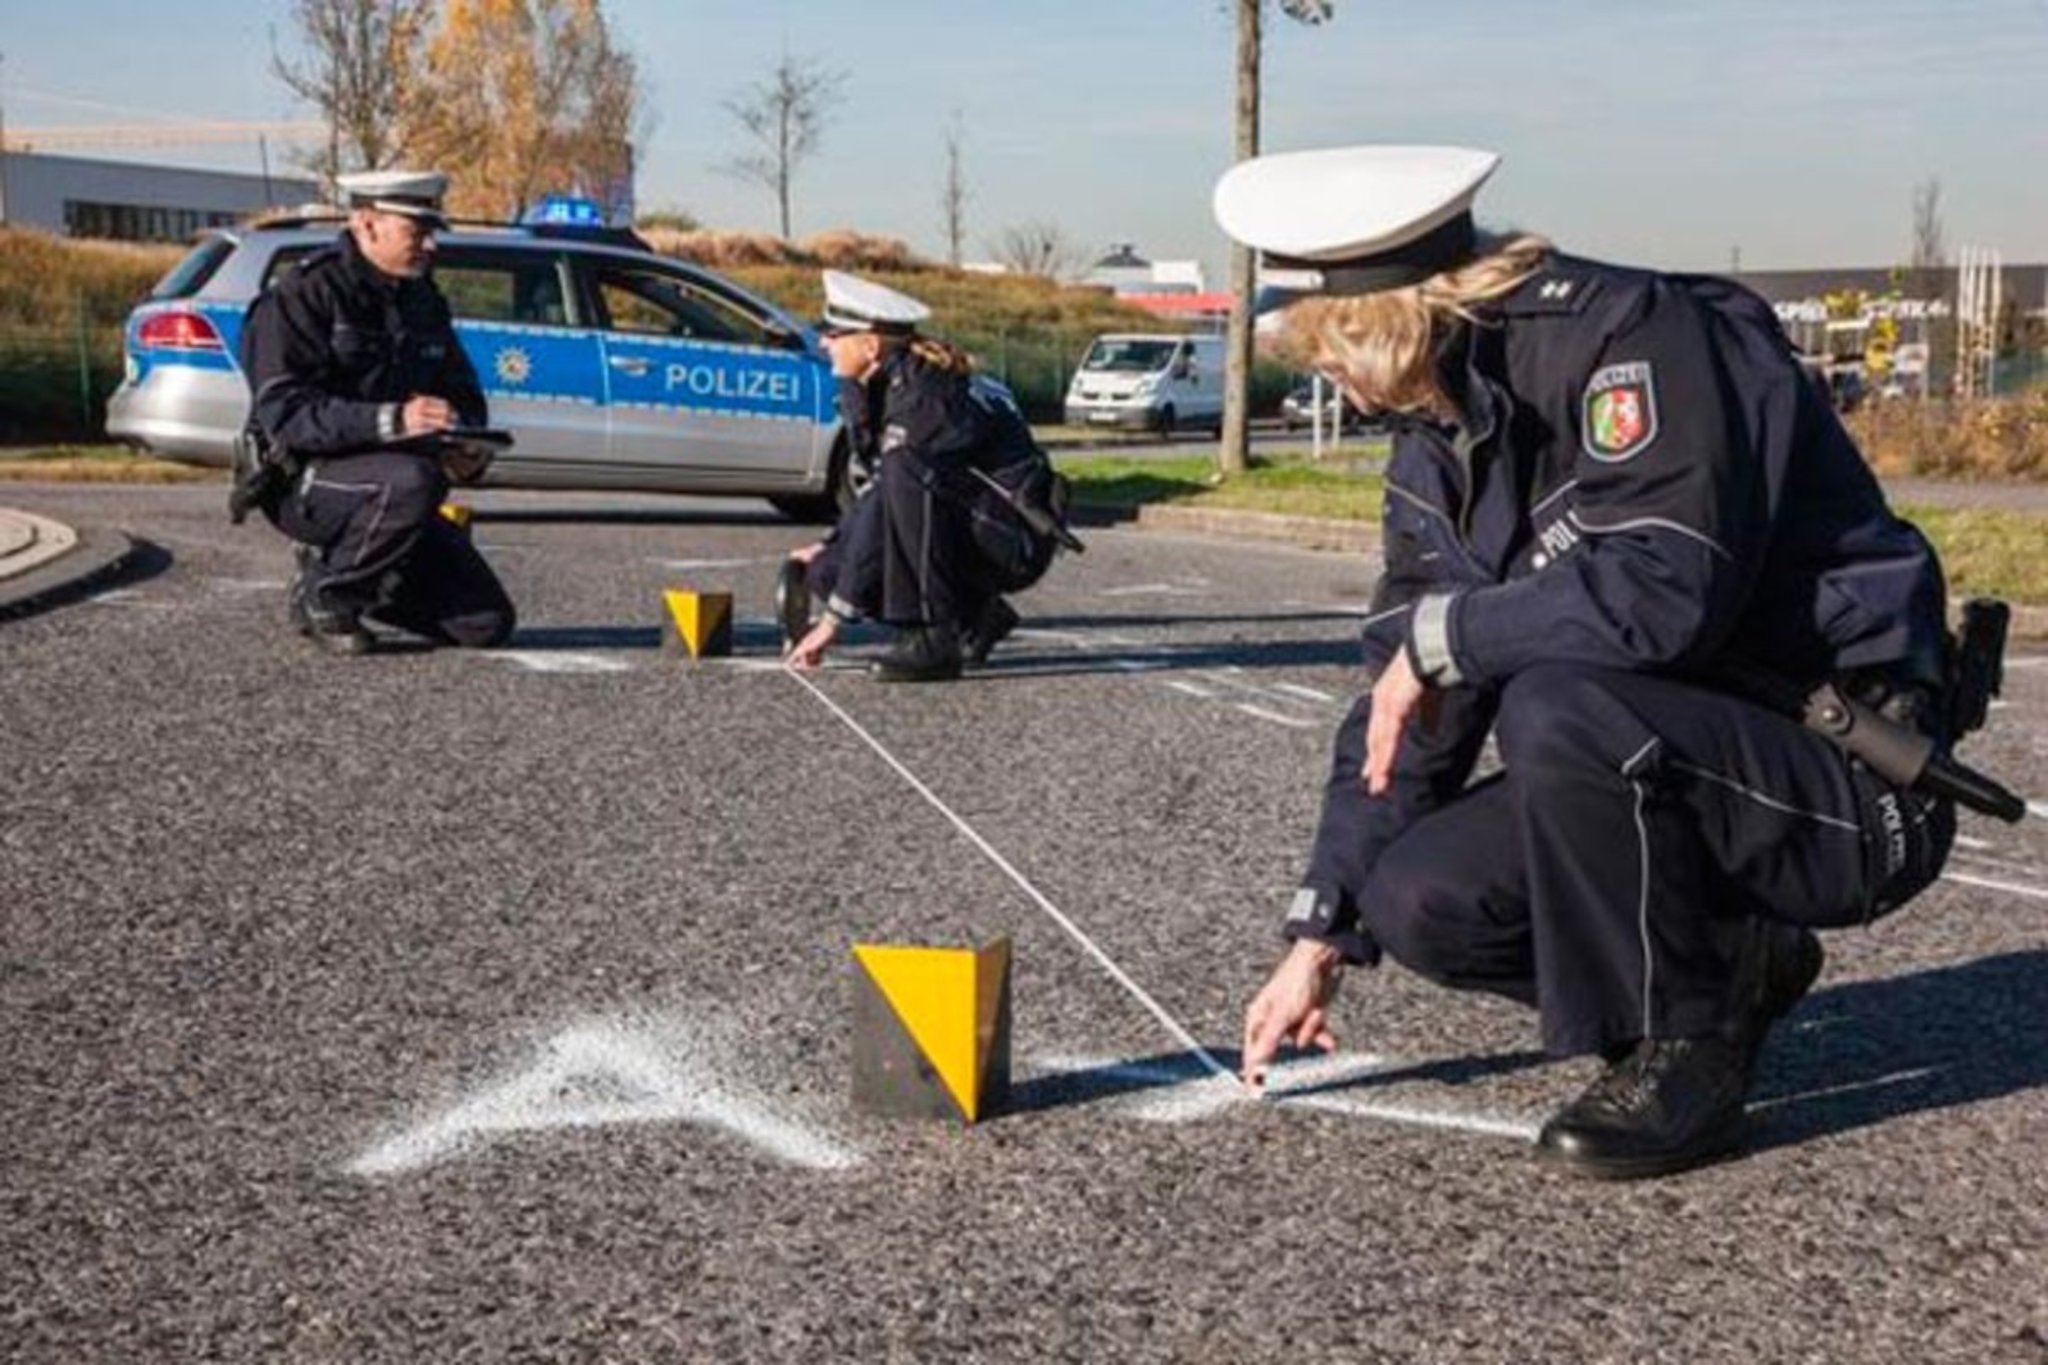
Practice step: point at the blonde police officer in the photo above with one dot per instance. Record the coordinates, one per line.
(1610, 491)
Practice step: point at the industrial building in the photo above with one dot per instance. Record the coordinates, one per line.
(127, 201)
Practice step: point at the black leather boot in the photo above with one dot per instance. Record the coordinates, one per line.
(1667, 1106)
(332, 631)
(792, 602)
(921, 654)
(1775, 966)
(992, 625)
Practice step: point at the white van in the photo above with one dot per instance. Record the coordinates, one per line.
(1149, 382)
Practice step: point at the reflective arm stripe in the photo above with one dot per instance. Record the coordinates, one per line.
(1429, 642)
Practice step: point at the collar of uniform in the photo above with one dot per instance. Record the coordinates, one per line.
(1466, 383)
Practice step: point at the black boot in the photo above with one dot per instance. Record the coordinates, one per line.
(992, 625)
(921, 654)
(792, 602)
(335, 632)
(1667, 1106)
(1775, 965)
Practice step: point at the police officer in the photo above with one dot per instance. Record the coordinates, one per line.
(1613, 496)
(933, 543)
(354, 368)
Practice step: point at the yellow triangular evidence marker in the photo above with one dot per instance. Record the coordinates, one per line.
(700, 622)
(952, 1003)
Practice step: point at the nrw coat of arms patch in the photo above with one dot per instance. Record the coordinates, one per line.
(1620, 411)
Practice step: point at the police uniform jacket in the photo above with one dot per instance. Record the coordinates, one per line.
(945, 424)
(1643, 479)
(335, 348)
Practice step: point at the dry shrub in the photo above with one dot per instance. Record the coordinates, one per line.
(45, 279)
(721, 250)
(845, 249)
(1975, 438)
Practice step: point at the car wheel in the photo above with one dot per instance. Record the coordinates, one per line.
(848, 477)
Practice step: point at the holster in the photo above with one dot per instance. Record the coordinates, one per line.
(263, 475)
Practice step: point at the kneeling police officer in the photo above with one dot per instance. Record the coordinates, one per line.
(1614, 500)
(963, 506)
(360, 392)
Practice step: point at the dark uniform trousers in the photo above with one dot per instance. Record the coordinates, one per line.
(383, 550)
(912, 540)
(1602, 876)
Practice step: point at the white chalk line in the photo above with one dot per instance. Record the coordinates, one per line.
(714, 563)
(2039, 893)
(1072, 929)
(1192, 689)
(1298, 1083)
(1292, 722)
(2038, 809)
(1315, 694)
(596, 1074)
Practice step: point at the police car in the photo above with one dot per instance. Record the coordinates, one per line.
(613, 367)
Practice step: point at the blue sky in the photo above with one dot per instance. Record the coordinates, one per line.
(1654, 131)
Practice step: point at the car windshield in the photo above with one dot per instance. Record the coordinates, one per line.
(1129, 357)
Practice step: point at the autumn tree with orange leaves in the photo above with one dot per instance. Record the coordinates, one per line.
(514, 99)
(523, 98)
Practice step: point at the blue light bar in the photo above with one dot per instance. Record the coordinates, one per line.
(565, 210)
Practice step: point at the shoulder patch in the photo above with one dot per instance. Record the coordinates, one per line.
(1620, 411)
(1553, 291)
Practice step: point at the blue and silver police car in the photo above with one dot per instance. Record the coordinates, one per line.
(614, 367)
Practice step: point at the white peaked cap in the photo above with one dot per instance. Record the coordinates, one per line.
(858, 305)
(1362, 218)
(416, 194)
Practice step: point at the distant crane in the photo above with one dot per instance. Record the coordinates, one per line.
(153, 134)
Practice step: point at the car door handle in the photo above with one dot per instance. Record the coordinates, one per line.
(631, 364)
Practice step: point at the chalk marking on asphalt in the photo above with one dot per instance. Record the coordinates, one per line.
(596, 1074)
(1291, 722)
(1151, 590)
(1851, 1088)
(711, 563)
(2038, 809)
(1965, 841)
(1306, 693)
(2037, 661)
(1192, 689)
(1299, 1083)
(549, 661)
(246, 584)
(2039, 893)
(1038, 898)
(1137, 665)
(1991, 862)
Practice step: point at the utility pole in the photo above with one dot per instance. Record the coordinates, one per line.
(1232, 454)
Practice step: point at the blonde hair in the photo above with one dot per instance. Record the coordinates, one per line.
(1383, 346)
(934, 353)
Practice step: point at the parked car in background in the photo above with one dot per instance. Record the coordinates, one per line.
(1147, 382)
(1297, 410)
(612, 366)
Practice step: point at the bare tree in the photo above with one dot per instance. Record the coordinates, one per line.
(953, 194)
(361, 59)
(785, 116)
(1038, 247)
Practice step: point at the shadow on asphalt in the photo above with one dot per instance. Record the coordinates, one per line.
(1870, 1051)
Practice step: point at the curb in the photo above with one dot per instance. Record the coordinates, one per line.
(97, 558)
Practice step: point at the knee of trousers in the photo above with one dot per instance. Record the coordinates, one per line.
(1420, 911)
(1562, 720)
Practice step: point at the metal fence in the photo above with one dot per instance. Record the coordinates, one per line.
(56, 374)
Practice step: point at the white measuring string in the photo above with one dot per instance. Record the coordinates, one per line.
(1073, 930)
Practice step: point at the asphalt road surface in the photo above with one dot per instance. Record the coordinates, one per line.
(444, 1006)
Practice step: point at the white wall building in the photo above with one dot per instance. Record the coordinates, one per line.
(128, 201)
